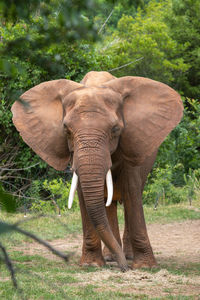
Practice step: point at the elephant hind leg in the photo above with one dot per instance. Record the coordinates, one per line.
(132, 194)
(111, 212)
(127, 247)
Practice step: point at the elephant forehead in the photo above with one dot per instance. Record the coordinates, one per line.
(93, 96)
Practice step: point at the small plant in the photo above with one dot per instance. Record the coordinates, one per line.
(193, 184)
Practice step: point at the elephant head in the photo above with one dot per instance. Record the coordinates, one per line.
(87, 122)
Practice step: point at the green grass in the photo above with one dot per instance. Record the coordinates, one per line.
(48, 227)
(44, 279)
(52, 226)
(167, 214)
(171, 213)
(41, 277)
(186, 269)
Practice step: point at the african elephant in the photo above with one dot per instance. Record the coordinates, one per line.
(102, 125)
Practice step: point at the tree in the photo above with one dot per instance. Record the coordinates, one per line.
(40, 41)
(183, 20)
(147, 37)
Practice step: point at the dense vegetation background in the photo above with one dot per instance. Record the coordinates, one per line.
(46, 40)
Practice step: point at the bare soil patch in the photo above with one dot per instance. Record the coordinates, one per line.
(176, 247)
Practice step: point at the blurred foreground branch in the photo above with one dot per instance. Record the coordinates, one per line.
(9, 265)
(6, 227)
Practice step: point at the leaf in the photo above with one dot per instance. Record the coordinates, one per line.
(7, 201)
(5, 227)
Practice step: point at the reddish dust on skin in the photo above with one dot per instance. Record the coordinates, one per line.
(176, 246)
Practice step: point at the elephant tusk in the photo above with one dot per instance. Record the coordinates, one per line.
(72, 190)
(109, 184)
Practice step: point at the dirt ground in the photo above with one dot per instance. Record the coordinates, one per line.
(177, 250)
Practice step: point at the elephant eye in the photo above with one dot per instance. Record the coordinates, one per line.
(115, 130)
(65, 127)
(67, 131)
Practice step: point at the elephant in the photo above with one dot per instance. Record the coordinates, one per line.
(109, 129)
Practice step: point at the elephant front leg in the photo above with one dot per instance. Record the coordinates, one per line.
(91, 249)
(111, 212)
(142, 250)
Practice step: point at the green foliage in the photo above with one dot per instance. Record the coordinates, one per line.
(54, 39)
(34, 27)
(7, 202)
(36, 46)
(14, 154)
(192, 181)
(183, 20)
(181, 148)
(146, 36)
(161, 189)
(111, 15)
(176, 170)
(56, 192)
(39, 41)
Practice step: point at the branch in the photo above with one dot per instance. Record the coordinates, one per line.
(8, 176)
(9, 184)
(5, 169)
(65, 257)
(5, 227)
(25, 197)
(125, 65)
(9, 266)
(104, 24)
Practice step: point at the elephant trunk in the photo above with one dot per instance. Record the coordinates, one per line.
(93, 193)
(92, 165)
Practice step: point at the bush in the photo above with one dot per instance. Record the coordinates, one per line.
(183, 20)
(161, 190)
(145, 39)
(192, 181)
(25, 66)
(51, 196)
(180, 149)
(35, 49)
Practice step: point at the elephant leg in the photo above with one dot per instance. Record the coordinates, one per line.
(132, 195)
(111, 212)
(91, 249)
(127, 247)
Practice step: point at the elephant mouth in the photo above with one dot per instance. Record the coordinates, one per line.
(109, 185)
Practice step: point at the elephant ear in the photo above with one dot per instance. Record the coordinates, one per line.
(151, 110)
(38, 117)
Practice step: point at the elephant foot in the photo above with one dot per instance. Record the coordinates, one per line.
(92, 258)
(108, 256)
(128, 252)
(144, 261)
(128, 255)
